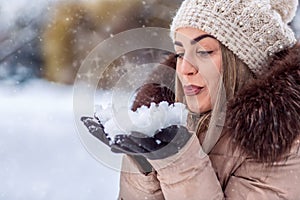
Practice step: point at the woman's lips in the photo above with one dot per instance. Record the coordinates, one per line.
(191, 90)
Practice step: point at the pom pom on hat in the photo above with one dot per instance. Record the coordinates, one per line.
(286, 8)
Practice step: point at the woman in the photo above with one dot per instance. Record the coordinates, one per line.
(247, 49)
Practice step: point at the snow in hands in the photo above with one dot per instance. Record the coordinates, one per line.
(144, 120)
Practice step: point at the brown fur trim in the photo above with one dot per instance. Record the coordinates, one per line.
(154, 92)
(263, 118)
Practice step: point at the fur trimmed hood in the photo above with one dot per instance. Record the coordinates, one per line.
(263, 118)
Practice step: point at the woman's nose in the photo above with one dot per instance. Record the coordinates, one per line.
(186, 68)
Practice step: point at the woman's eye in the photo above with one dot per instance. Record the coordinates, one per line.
(204, 53)
(179, 55)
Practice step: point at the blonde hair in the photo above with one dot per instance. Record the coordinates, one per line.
(235, 74)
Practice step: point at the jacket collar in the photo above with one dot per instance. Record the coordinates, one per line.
(263, 118)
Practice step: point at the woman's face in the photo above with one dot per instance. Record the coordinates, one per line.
(199, 62)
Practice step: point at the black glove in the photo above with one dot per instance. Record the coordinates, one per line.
(164, 143)
(96, 129)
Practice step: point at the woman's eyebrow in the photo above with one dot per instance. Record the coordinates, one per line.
(197, 39)
(178, 43)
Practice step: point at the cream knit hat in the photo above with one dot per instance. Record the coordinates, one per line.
(253, 29)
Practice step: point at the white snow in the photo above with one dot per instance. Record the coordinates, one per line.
(144, 120)
(41, 156)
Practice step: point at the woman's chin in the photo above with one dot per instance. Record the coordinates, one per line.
(199, 103)
(199, 108)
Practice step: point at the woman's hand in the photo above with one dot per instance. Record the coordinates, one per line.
(96, 129)
(164, 143)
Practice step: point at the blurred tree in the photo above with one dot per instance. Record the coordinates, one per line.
(77, 27)
(20, 53)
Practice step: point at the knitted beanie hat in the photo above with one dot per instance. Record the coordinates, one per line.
(252, 29)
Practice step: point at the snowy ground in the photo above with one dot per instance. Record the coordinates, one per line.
(41, 156)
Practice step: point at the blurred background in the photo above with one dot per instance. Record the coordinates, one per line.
(42, 45)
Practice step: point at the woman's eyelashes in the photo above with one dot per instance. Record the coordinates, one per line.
(179, 55)
(198, 53)
(204, 53)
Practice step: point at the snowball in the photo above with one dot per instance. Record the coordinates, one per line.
(145, 120)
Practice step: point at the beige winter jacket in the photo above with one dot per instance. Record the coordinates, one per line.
(224, 174)
(257, 158)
